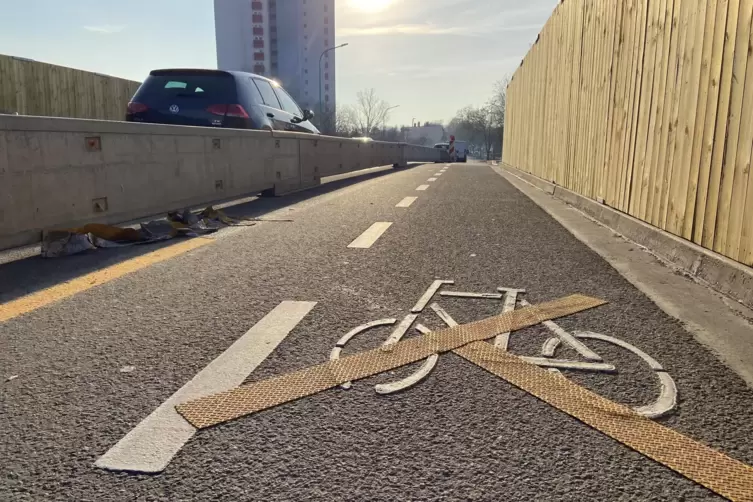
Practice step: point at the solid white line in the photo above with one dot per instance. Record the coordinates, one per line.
(371, 235)
(421, 188)
(406, 202)
(432, 179)
(151, 445)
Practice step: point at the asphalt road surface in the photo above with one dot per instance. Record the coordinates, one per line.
(92, 366)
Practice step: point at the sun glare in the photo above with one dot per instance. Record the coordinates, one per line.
(371, 5)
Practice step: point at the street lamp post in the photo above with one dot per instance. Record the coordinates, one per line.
(320, 77)
(384, 127)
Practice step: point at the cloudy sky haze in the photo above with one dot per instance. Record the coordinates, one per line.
(431, 57)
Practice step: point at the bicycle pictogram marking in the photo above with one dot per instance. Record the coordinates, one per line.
(577, 340)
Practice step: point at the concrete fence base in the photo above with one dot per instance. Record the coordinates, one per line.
(62, 173)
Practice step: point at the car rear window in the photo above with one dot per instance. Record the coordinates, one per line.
(219, 88)
(267, 93)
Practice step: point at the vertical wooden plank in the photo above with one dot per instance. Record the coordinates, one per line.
(584, 89)
(717, 156)
(621, 71)
(573, 131)
(630, 55)
(687, 125)
(739, 183)
(597, 110)
(676, 136)
(616, 22)
(565, 93)
(716, 21)
(608, 12)
(593, 98)
(664, 35)
(635, 99)
(644, 110)
(742, 53)
(667, 117)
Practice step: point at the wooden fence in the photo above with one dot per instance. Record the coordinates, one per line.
(34, 88)
(647, 104)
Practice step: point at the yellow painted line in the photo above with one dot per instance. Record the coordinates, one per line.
(53, 294)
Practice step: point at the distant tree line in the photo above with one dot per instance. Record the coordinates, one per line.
(483, 126)
(480, 126)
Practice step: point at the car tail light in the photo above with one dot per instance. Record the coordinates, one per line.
(134, 107)
(228, 110)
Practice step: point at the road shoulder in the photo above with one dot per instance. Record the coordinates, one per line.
(717, 322)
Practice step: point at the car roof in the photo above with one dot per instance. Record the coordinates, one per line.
(207, 71)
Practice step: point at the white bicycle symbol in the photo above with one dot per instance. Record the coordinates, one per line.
(664, 404)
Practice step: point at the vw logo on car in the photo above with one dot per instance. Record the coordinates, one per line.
(174, 109)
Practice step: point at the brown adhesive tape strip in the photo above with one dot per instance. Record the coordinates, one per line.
(714, 470)
(241, 401)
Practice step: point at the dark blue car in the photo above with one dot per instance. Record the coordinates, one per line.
(216, 98)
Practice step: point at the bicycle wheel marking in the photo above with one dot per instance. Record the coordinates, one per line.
(667, 400)
(550, 347)
(337, 350)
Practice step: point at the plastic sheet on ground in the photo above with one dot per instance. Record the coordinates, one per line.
(58, 243)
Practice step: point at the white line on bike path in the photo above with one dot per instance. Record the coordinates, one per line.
(151, 445)
(371, 235)
(422, 188)
(406, 202)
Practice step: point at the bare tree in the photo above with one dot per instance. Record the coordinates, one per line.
(371, 111)
(478, 127)
(498, 101)
(347, 123)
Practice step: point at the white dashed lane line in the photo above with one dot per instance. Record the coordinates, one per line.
(406, 202)
(421, 188)
(431, 179)
(371, 235)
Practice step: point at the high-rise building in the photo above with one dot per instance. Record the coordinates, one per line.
(281, 39)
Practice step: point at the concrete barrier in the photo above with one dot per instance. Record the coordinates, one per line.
(61, 173)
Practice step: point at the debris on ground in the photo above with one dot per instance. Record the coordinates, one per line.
(11, 378)
(58, 243)
(127, 369)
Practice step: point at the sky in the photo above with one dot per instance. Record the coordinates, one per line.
(430, 57)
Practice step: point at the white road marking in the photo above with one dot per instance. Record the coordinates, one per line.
(421, 188)
(435, 286)
(401, 330)
(406, 202)
(371, 235)
(463, 294)
(438, 174)
(431, 179)
(151, 445)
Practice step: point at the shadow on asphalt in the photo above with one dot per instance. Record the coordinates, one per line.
(28, 275)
